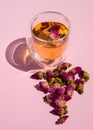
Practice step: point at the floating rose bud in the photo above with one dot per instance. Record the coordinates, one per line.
(62, 119)
(54, 33)
(44, 86)
(37, 75)
(55, 28)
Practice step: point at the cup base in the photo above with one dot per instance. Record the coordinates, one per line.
(48, 64)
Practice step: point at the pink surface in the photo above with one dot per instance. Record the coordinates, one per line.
(21, 105)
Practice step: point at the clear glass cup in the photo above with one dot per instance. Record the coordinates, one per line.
(47, 38)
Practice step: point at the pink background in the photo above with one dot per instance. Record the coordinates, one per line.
(21, 105)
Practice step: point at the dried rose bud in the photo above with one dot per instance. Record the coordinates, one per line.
(54, 87)
(57, 89)
(83, 74)
(66, 97)
(50, 98)
(79, 88)
(60, 102)
(63, 76)
(69, 90)
(76, 70)
(44, 86)
(64, 66)
(78, 81)
(72, 83)
(47, 99)
(37, 75)
(58, 111)
(50, 73)
(59, 80)
(62, 119)
(70, 76)
(60, 91)
(60, 83)
(51, 80)
(67, 77)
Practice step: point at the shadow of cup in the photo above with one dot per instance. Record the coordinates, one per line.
(18, 56)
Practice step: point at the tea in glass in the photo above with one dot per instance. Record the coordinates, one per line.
(48, 38)
(51, 33)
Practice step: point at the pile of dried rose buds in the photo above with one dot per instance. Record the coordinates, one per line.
(59, 85)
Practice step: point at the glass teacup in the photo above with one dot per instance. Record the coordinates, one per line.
(47, 38)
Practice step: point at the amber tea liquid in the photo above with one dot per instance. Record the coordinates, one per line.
(50, 39)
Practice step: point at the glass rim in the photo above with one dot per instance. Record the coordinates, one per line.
(50, 12)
